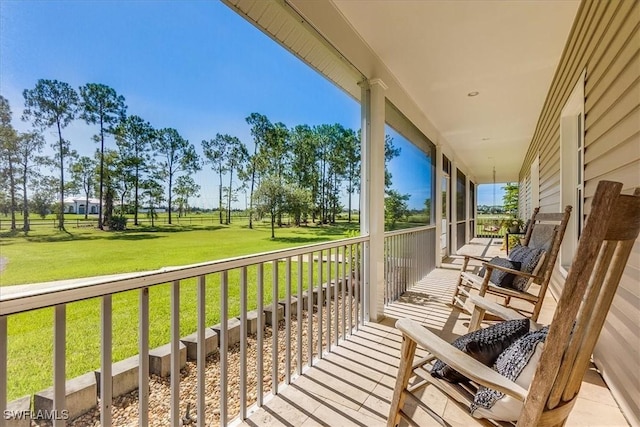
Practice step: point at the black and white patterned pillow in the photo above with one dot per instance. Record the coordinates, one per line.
(518, 363)
(484, 345)
(499, 277)
(528, 259)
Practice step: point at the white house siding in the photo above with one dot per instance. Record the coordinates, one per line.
(604, 41)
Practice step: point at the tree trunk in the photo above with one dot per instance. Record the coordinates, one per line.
(273, 225)
(350, 191)
(229, 201)
(170, 190)
(100, 218)
(135, 197)
(12, 190)
(220, 196)
(61, 146)
(253, 180)
(25, 201)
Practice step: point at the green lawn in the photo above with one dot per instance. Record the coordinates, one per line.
(45, 254)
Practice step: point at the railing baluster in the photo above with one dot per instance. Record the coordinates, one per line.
(201, 358)
(328, 300)
(3, 363)
(389, 264)
(274, 327)
(402, 266)
(59, 371)
(310, 296)
(260, 337)
(364, 300)
(224, 344)
(287, 321)
(299, 317)
(336, 329)
(143, 357)
(344, 286)
(351, 283)
(175, 353)
(106, 348)
(243, 343)
(320, 303)
(356, 290)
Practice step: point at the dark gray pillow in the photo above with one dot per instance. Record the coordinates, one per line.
(499, 277)
(510, 364)
(484, 345)
(528, 259)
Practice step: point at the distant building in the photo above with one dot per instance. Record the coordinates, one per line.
(76, 205)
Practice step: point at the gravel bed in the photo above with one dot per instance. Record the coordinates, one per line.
(125, 408)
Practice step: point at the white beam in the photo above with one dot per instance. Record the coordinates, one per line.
(375, 199)
(437, 204)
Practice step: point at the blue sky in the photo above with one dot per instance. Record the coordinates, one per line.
(195, 66)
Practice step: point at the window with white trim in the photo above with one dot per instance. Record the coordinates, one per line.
(572, 168)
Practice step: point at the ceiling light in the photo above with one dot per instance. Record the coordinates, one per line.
(474, 93)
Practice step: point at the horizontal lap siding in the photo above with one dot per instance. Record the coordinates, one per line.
(605, 40)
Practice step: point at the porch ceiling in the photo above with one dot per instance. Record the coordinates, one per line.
(440, 51)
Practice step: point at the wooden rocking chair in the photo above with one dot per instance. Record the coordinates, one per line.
(603, 250)
(545, 232)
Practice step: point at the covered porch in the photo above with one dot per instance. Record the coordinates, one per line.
(353, 385)
(345, 377)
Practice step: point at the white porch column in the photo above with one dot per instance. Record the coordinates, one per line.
(437, 205)
(372, 197)
(469, 208)
(454, 208)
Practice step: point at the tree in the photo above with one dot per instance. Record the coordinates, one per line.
(111, 170)
(297, 202)
(82, 172)
(236, 159)
(154, 194)
(510, 198)
(395, 207)
(390, 152)
(177, 156)
(51, 103)
(325, 134)
(44, 196)
(185, 187)
(215, 151)
(101, 105)
(273, 156)
(28, 146)
(134, 138)
(352, 158)
(260, 125)
(269, 197)
(8, 156)
(303, 167)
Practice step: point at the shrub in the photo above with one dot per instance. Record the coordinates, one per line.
(117, 223)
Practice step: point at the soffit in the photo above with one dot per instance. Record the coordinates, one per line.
(431, 54)
(439, 51)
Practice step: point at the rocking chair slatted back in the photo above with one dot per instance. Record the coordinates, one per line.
(603, 250)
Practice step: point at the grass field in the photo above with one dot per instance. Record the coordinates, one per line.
(45, 254)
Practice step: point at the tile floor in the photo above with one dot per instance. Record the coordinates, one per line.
(353, 385)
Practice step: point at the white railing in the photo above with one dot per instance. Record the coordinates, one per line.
(409, 256)
(327, 277)
(324, 282)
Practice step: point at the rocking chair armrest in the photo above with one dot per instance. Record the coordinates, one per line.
(494, 308)
(491, 267)
(476, 258)
(463, 363)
